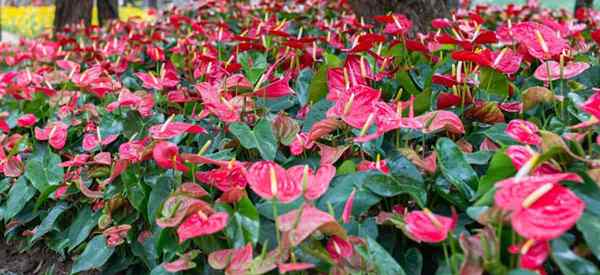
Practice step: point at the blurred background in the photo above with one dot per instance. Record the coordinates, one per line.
(28, 18)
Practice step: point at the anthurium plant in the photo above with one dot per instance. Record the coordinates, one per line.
(294, 137)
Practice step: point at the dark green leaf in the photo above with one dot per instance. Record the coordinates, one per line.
(522, 272)
(318, 86)
(340, 190)
(85, 221)
(413, 261)
(494, 82)
(387, 186)
(455, 167)
(302, 84)
(94, 256)
(589, 225)
(48, 222)
(160, 192)
(18, 196)
(261, 138)
(383, 261)
(569, 262)
(500, 168)
(43, 170)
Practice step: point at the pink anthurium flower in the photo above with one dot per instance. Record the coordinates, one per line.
(313, 184)
(269, 180)
(200, 224)
(356, 106)
(171, 129)
(55, 133)
(276, 89)
(234, 261)
(347, 212)
(290, 267)
(396, 24)
(116, 235)
(184, 262)
(592, 105)
(92, 141)
(301, 223)
(541, 208)
(424, 226)
(551, 70)
(541, 41)
(26, 120)
(441, 120)
(520, 155)
(532, 254)
(166, 155)
(339, 249)
(523, 131)
(76, 161)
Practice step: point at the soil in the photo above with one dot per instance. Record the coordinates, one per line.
(37, 260)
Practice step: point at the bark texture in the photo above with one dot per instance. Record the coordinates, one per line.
(107, 10)
(584, 4)
(421, 12)
(72, 12)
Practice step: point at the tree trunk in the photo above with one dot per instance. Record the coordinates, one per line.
(107, 10)
(584, 4)
(72, 12)
(420, 12)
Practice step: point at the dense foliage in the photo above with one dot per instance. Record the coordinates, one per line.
(271, 138)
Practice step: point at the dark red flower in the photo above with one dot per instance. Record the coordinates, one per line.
(199, 224)
(166, 155)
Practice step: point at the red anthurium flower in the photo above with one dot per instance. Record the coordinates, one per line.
(27, 120)
(116, 235)
(178, 207)
(541, 208)
(592, 105)
(424, 226)
(300, 223)
(347, 213)
(92, 141)
(506, 60)
(76, 161)
(199, 224)
(276, 89)
(301, 143)
(230, 179)
(166, 155)
(355, 106)
(313, 184)
(171, 129)
(60, 191)
(541, 41)
(55, 133)
(167, 79)
(441, 120)
(570, 70)
(132, 151)
(520, 155)
(216, 103)
(87, 77)
(380, 165)
(234, 261)
(269, 180)
(290, 267)
(532, 253)
(155, 53)
(396, 24)
(523, 131)
(184, 262)
(339, 249)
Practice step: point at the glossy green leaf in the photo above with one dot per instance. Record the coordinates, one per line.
(18, 196)
(340, 189)
(589, 225)
(85, 221)
(568, 262)
(42, 169)
(94, 256)
(383, 261)
(160, 192)
(49, 221)
(261, 138)
(387, 186)
(455, 167)
(494, 82)
(500, 168)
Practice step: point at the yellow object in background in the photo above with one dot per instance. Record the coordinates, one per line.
(29, 21)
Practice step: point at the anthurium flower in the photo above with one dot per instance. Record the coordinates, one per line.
(92, 141)
(184, 262)
(55, 133)
(380, 165)
(355, 106)
(532, 254)
(301, 223)
(551, 70)
(541, 209)
(177, 207)
(347, 212)
(26, 120)
(224, 108)
(76, 161)
(541, 41)
(276, 89)
(424, 226)
(313, 184)
(592, 105)
(396, 24)
(290, 267)
(199, 224)
(339, 249)
(171, 129)
(116, 235)
(166, 155)
(234, 261)
(132, 151)
(269, 180)
(523, 131)
(441, 120)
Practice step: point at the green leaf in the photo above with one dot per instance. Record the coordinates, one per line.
(248, 219)
(500, 168)
(94, 256)
(407, 83)
(136, 193)
(455, 167)
(413, 261)
(18, 196)
(316, 114)
(85, 221)
(522, 272)
(589, 225)
(159, 270)
(340, 189)
(261, 138)
(253, 64)
(568, 262)
(43, 169)
(302, 84)
(318, 86)
(383, 261)
(387, 186)
(494, 82)
(160, 191)
(49, 221)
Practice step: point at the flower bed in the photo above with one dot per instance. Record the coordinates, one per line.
(273, 138)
